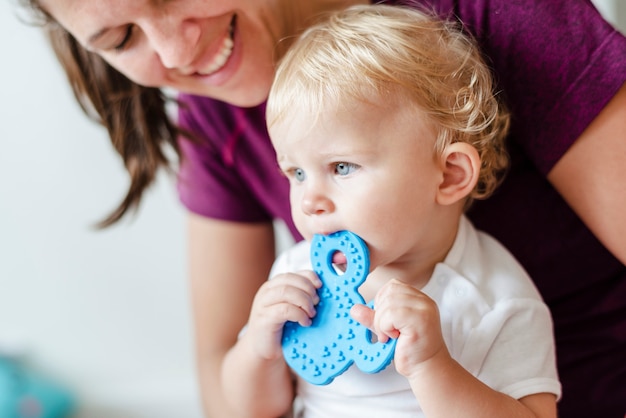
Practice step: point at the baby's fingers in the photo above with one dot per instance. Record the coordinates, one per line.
(291, 289)
(395, 303)
(363, 315)
(284, 312)
(366, 316)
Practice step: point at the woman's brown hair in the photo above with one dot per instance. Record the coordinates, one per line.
(134, 116)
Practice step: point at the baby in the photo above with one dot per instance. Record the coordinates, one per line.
(385, 121)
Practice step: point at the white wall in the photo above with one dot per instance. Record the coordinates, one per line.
(106, 313)
(614, 11)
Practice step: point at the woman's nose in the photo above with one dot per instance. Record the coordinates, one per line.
(174, 41)
(315, 203)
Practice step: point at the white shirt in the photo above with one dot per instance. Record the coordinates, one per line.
(494, 323)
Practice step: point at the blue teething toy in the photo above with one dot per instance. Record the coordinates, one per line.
(334, 341)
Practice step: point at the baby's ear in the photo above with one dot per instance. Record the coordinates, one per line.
(460, 164)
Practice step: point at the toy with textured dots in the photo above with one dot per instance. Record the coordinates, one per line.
(334, 341)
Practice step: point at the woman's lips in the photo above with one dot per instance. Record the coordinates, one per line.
(220, 58)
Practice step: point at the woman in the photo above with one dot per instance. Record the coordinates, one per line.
(559, 65)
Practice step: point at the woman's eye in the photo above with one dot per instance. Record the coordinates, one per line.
(343, 169)
(125, 39)
(299, 174)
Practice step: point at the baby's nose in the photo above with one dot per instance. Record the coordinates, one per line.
(316, 204)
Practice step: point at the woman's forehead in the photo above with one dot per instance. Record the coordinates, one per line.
(84, 18)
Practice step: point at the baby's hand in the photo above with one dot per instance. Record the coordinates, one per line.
(404, 312)
(287, 297)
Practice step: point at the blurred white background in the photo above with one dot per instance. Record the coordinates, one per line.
(104, 313)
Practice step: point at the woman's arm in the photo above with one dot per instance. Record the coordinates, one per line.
(228, 262)
(591, 176)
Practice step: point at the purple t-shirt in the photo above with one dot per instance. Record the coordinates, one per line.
(558, 64)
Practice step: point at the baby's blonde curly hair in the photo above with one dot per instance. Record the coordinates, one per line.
(403, 55)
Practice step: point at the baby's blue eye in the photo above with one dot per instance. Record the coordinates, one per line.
(299, 174)
(343, 169)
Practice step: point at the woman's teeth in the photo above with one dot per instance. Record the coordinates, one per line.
(220, 58)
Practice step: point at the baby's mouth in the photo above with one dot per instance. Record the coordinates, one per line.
(339, 261)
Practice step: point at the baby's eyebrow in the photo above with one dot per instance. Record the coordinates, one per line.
(281, 159)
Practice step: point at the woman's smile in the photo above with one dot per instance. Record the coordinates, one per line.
(219, 57)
